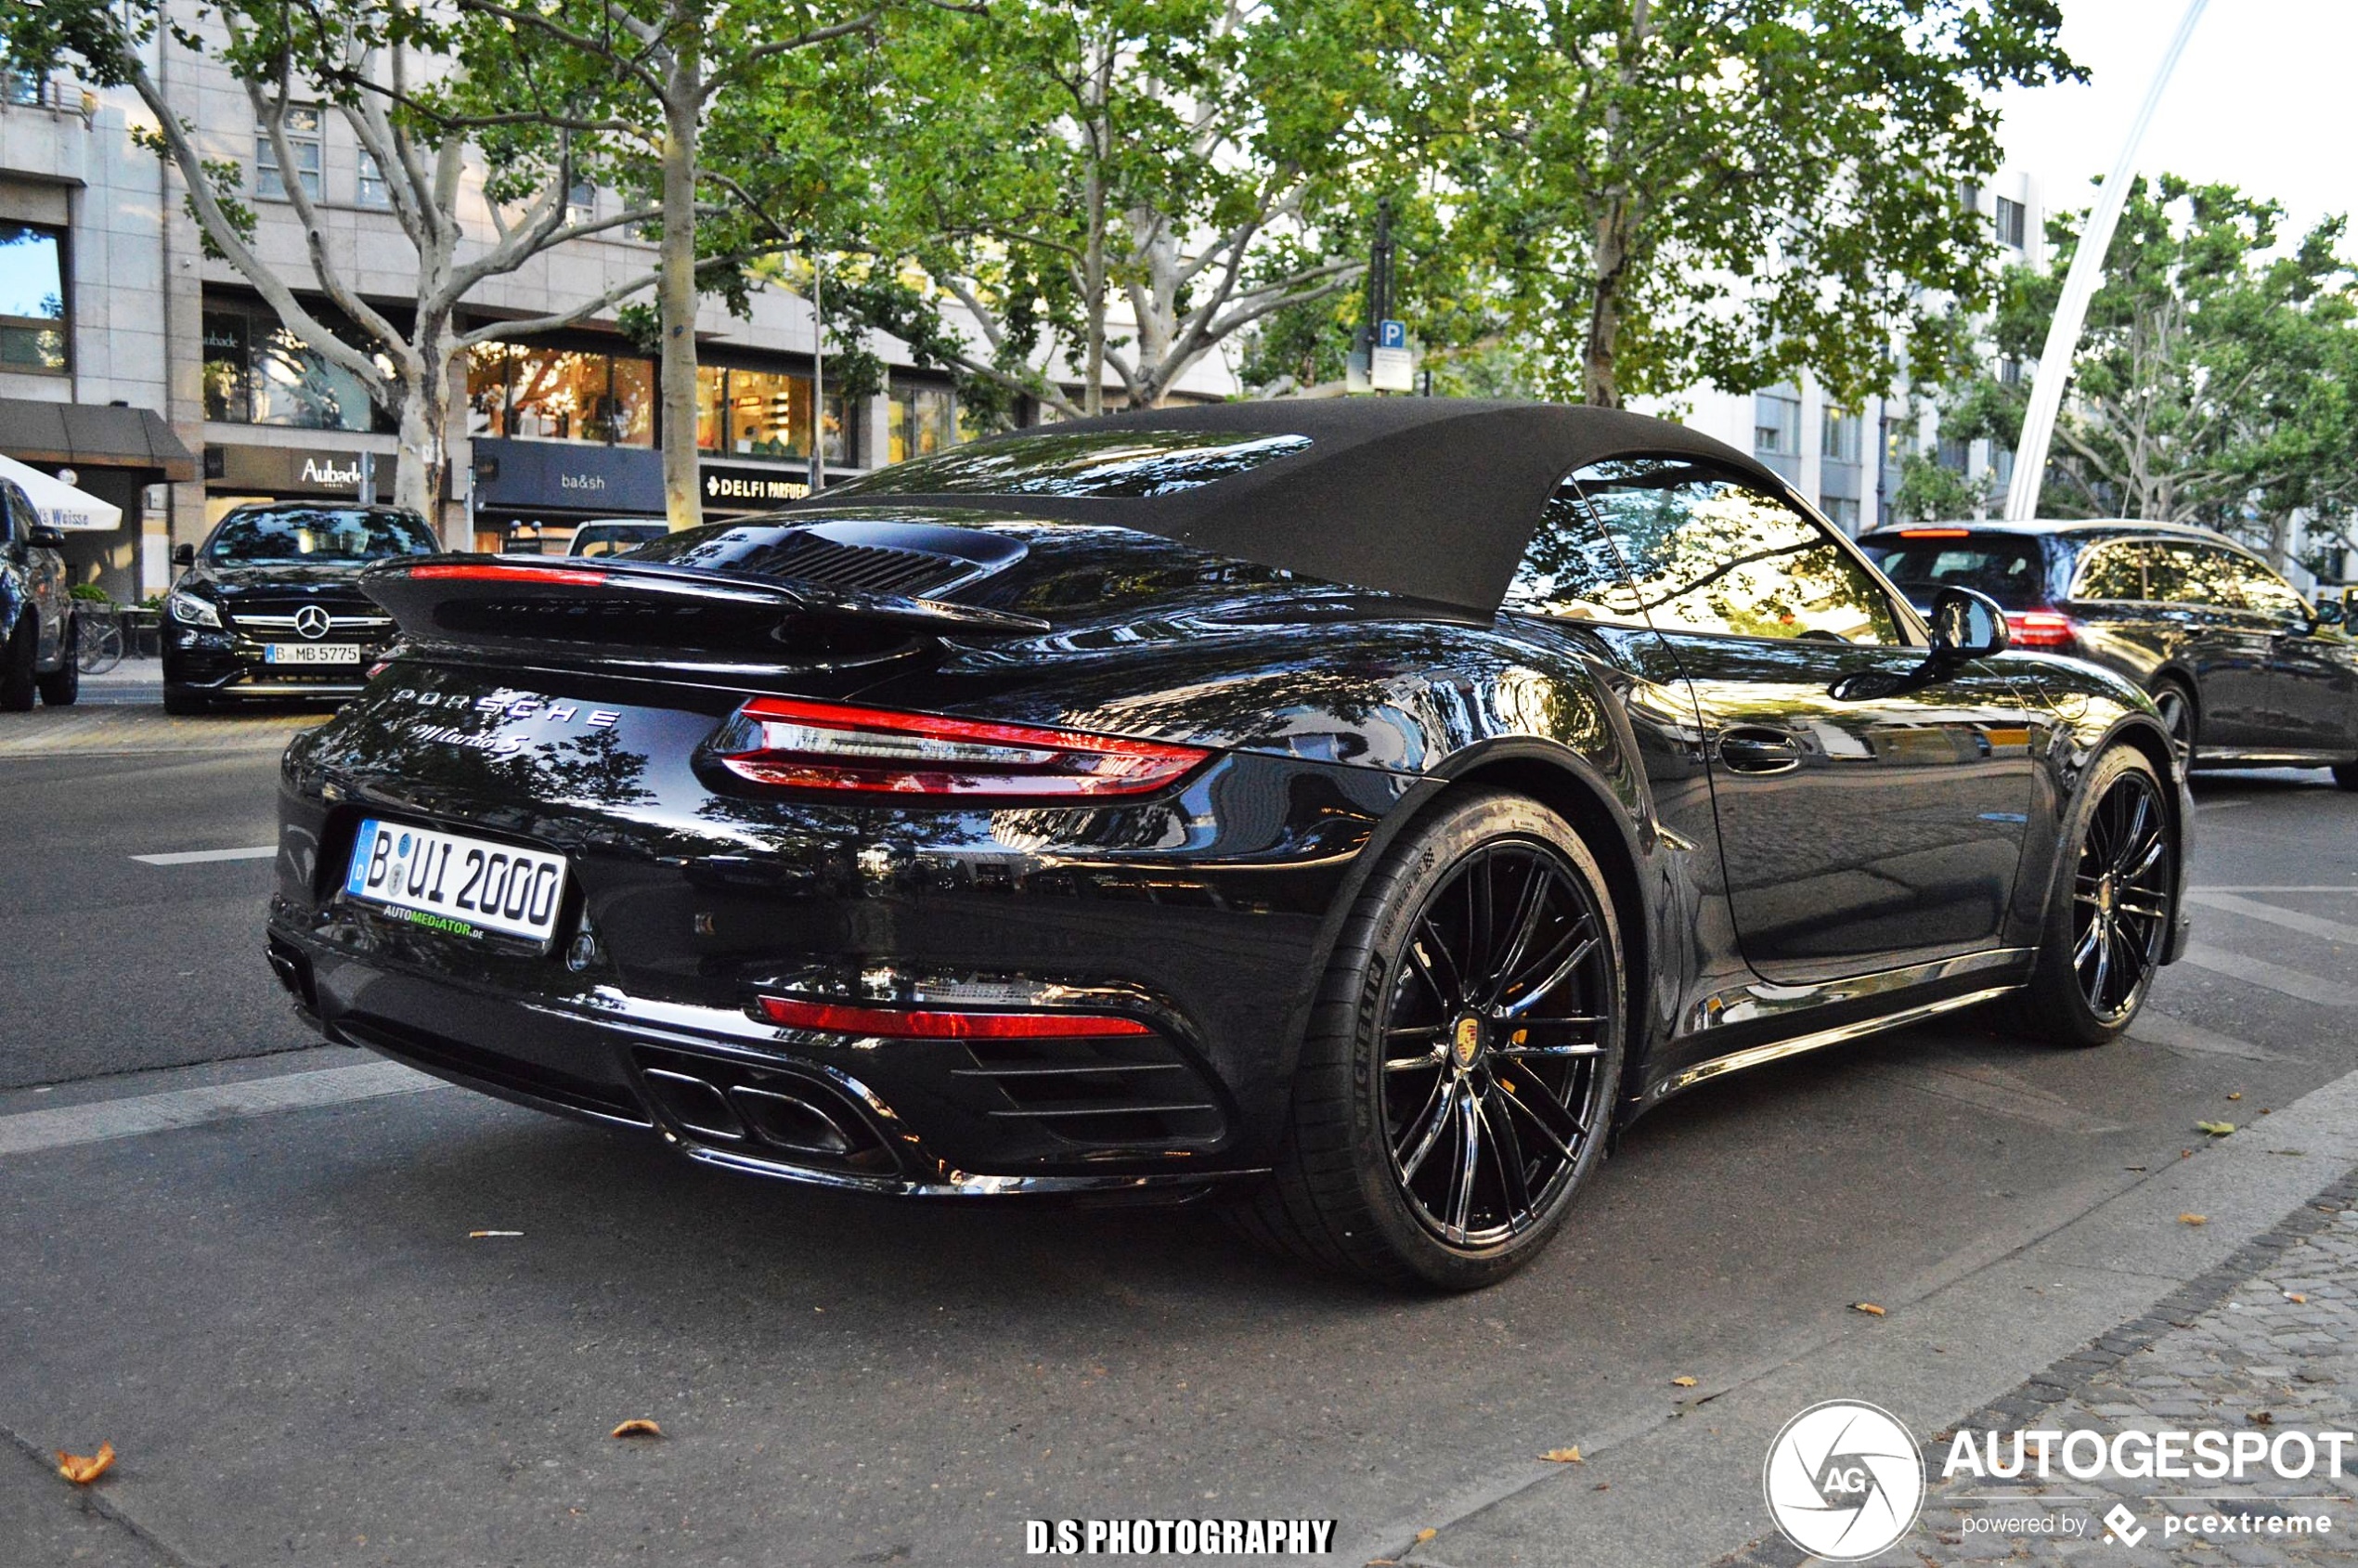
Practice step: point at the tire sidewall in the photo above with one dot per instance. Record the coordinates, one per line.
(1431, 856)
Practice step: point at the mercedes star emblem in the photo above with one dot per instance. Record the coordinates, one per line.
(313, 622)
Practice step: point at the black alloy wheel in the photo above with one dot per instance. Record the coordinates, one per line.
(1494, 1036)
(2177, 708)
(1458, 1076)
(2121, 897)
(62, 686)
(2109, 915)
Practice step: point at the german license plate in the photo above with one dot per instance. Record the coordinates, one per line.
(449, 882)
(311, 653)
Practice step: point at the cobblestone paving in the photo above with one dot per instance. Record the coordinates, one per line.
(2265, 1345)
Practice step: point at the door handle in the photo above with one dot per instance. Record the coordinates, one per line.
(1750, 750)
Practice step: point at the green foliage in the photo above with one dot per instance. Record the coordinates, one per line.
(1933, 492)
(2216, 378)
(1666, 192)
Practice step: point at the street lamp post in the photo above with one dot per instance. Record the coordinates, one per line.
(2080, 287)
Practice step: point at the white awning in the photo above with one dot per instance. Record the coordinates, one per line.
(60, 504)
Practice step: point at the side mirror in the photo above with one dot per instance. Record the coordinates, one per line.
(1967, 625)
(41, 537)
(2332, 611)
(184, 555)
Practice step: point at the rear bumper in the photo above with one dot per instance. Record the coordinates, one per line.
(715, 1086)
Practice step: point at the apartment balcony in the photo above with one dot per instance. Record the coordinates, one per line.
(45, 128)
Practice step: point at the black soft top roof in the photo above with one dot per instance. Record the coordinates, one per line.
(1433, 498)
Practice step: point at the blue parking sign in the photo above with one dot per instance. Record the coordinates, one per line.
(1391, 334)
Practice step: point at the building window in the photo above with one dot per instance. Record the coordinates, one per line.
(369, 187)
(1970, 194)
(1842, 511)
(919, 421)
(2010, 223)
(257, 372)
(33, 298)
(2010, 370)
(1838, 437)
(1953, 455)
(560, 395)
(1899, 440)
(21, 89)
(766, 414)
(581, 203)
(1776, 425)
(302, 146)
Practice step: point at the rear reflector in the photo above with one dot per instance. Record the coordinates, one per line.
(495, 571)
(902, 1023)
(1935, 533)
(2040, 629)
(798, 744)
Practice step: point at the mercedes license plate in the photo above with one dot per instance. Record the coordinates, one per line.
(311, 653)
(449, 882)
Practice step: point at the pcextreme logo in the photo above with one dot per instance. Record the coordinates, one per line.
(1844, 1480)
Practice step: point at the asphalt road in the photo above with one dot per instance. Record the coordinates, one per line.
(284, 1324)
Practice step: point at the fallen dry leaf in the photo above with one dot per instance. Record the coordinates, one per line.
(639, 1428)
(1563, 1456)
(1424, 1535)
(2263, 1419)
(1868, 1307)
(2236, 1095)
(1682, 1383)
(1605, 1487)
(2296, 1298)
(2216, 1128)
(2194, 1219)
(82, 1472)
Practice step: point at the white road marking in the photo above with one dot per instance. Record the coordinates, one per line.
(104, 1119)
(2272, 977)
(2177, 1034)
(202, 857)
(2290, 919)
(2273, 887)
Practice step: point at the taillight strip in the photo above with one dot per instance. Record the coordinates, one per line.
(904, 1023)
(797, 743)
(496, 572)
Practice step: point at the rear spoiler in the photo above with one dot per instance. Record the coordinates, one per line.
(647, 607)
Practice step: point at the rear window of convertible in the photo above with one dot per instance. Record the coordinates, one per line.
(1114, 463)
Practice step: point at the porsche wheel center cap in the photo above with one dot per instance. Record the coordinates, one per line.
(1465, 1041)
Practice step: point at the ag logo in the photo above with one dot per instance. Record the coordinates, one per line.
(1844, 1480)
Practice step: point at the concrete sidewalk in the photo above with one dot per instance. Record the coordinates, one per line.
(2134, 1311)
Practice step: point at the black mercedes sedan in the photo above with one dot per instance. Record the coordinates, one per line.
(2245, 672)
(1355, 811)
(270, 604)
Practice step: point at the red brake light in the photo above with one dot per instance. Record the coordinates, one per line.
(493, 572)
(913, 1024)
(799, 744)
(1935, 533)
(2040, 628)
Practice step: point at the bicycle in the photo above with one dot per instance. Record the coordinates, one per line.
(99, 641)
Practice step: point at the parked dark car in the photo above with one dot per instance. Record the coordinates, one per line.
(270, 604)
(37, 624)
(1363, 809)
(2243, 669)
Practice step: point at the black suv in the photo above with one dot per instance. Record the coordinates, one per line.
(36, 614)
(2244, 670)
(270, 604)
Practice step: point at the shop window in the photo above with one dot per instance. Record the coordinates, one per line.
(257, 372)
(369, 187)
(303, 137)
(560, 395)
(919, 421)
(33, 298)
(769, 416)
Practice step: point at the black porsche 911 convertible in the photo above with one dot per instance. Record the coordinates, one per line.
(1362, 810)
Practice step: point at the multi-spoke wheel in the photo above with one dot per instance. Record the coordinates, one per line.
(2108, 921)
(1457, 1077)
